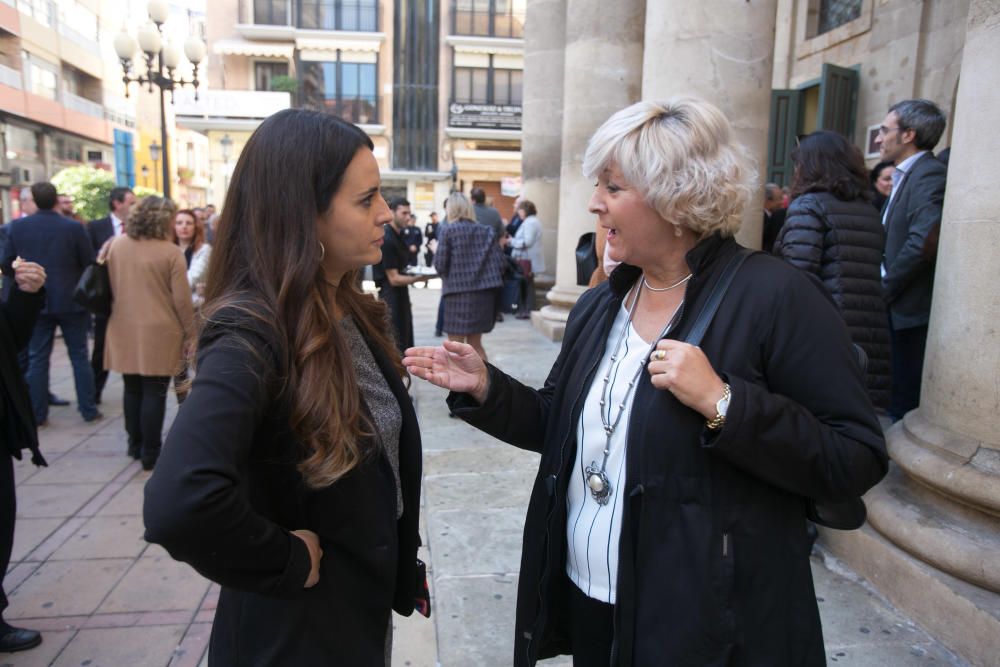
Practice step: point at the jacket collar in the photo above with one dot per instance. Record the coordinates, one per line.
(698, 259)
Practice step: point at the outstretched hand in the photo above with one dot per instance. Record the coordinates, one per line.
(453, 365)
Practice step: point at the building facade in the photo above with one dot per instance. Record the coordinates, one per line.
(435, 83)
(778, 69)
(61, 101)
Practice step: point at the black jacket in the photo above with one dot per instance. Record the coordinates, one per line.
(226, 493)
(914, 214)
(714, 557)
(100, 230)
(840, 242)
(17, 420)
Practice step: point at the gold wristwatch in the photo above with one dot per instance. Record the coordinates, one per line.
(721, 407)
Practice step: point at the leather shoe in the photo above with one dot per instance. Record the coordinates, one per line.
(55, 400)
(19, 639)
(96, 417)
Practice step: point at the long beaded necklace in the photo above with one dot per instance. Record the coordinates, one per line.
(596, 478)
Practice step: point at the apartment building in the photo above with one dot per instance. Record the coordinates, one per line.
(61, 100)
(435, 83)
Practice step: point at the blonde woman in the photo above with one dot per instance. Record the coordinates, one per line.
(667, 524)
(151, 321)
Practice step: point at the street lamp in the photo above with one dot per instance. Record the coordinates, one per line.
(145, 176)
(454, 174)
(154, 155)
(226, 143)
(159, 57)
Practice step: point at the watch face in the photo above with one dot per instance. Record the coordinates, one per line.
(722, 406)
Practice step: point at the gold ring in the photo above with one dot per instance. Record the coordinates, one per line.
(660, 355)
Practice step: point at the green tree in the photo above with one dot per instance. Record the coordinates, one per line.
(89, 187)
(141, 192)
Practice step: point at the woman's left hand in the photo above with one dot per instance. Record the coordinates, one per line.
(685, 371)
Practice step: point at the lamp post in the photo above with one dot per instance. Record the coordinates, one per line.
(226, 143)
(145, 176)
(154, 155)
(161, 62)
(454, 174)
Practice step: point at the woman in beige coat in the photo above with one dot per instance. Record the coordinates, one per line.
(151, 320)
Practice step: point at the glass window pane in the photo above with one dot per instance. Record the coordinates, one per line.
(369, 76)
(516, 86)
(329, 81)
(463, 84)
(835, 13)
(480, 89)
(349, 80)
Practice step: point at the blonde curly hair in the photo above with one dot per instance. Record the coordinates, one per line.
(681, 155)
(151, 218)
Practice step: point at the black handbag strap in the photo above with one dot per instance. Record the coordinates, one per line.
(715, 298)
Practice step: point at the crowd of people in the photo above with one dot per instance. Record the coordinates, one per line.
(291, 474)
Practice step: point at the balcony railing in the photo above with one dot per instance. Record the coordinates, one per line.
(347, 15)
(79, 39)
(488, 18)
(82, 105)
(11, 77)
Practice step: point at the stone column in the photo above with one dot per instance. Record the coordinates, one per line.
(721, 51)
(541, 123)
(933, 538)
(603, 74)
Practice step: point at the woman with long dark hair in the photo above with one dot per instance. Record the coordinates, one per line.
(292, 476)
(880, 178)
(833, 232)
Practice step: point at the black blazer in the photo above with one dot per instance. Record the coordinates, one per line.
(226, 493)
(17, 419)
(772, 227)
(100, 230)
(61, 246)
(914, 212)
(714, 556)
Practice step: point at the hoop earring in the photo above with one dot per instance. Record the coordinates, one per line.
(322, 251)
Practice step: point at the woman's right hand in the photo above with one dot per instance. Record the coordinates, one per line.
(315, 554)
(454, 366)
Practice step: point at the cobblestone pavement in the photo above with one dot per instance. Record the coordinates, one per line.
(102, 597)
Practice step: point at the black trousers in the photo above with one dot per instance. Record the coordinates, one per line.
(907, 369)
(145, 405)
(592, 629)
(8, 511)
(400, 314)
(97, 358)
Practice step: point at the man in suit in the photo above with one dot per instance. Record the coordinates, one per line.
(912, 213)
(62, 247)
(774, 215)
(390, 275)
(17, 422)
(120, 203)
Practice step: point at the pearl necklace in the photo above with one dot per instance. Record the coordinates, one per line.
(596, 478)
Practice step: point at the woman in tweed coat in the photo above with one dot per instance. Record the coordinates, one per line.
(470, 263)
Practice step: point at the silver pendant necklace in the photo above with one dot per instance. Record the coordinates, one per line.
(596, 478)
(668, 287)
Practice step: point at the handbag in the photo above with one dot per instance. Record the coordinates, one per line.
(586, 258)
(93, 291)
(842, 515)
(525, 265)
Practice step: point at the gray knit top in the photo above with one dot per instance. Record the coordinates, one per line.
(379, 399)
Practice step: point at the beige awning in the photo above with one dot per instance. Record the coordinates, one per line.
(243, 47)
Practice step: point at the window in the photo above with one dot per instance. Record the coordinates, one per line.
(492, 84)
(79, 19)
(42, 77)
(270, 12)
(835, 13)
(488, 18)
(346, 89)
(264, 73)
(353, 15)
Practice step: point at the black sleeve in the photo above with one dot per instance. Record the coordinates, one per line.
(196, 501)
(21, 312)
(84, 247)
(812, 430)
(800, 241)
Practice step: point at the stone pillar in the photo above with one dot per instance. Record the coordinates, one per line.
(721, 51)
(603, 74)
(933, 538)
(541, 124)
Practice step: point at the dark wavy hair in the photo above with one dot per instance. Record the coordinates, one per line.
(827, 162)
(199, 230)
(266, 270)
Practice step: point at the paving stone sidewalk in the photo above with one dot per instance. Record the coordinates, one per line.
(102, 597)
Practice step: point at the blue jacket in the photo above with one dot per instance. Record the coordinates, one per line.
(60, 245)
(100, 230)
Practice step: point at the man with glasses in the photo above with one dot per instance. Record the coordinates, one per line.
(912, 218)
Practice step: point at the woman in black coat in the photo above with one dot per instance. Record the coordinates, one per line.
(832, 232)
(667, 523)
(291, 475)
